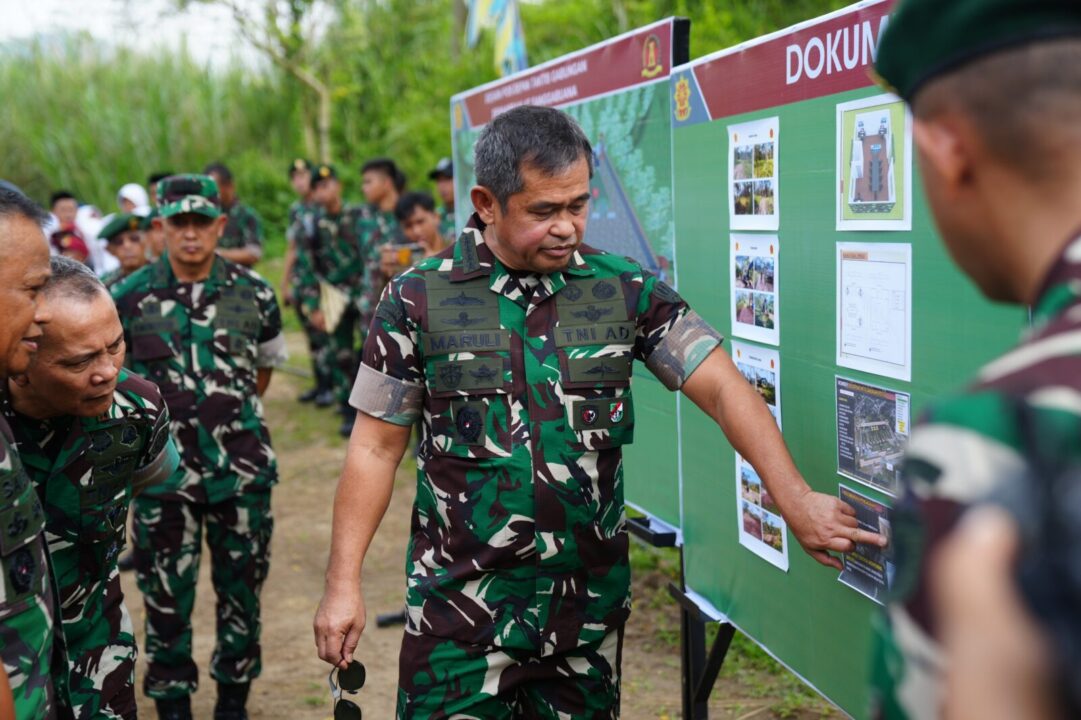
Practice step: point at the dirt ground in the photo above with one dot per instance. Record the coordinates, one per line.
(293, 685)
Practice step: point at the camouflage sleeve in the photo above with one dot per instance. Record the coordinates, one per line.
(161, 458)
(271, 351)
(305, 281)
(672, 339)
(390, 382)
(253, 232)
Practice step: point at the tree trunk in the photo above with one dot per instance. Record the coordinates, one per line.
(324, 124)
(457, 33)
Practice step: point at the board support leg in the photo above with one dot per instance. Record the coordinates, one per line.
(699, 672)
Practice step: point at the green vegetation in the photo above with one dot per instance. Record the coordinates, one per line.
(90, 118)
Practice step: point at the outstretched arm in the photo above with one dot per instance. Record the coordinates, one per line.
(820, 522)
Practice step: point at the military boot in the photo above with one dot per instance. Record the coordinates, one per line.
(174, 708)
(231, 701)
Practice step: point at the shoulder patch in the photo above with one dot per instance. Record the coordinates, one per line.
(664, 292)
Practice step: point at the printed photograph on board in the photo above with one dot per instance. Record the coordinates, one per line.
(869, 569)
(874, 164)
(872, 430)
(753, 202)
(754, 269)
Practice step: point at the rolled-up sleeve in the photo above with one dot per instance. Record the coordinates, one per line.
(672, 340)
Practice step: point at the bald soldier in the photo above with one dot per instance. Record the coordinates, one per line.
(995, 90)
(91, 436)
(515, 346)
(26, 601)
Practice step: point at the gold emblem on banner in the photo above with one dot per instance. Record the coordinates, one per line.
(459, 118)
(683, 99)
(651, 54)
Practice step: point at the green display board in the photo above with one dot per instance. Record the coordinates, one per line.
(767, 136)
(618, 92)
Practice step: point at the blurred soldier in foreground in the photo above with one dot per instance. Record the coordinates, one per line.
(208, 332)
(301, 236)
(995, 89)
(515, 346)
(91, 436)
(26, 596)
(242, 241)
(123, 238)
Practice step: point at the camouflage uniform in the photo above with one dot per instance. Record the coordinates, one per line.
(303, 223)
(376, 229)
(113, 277)
(85, 471)
(518, 555)
(446, 224)
(333, 255)
(26, 598)
(967, 447)
(244, 229)
(202, 343)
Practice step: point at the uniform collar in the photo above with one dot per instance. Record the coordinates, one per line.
(164, 276)
(1062, 285)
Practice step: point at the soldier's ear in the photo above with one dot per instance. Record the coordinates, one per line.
(219, 225)
(484, 202)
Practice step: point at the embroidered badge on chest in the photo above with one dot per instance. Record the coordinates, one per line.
(589, 414)
(21, 570)
(604, 290)
(463, 320)
(572, 292)
(450, 375)
(615, 412)
(592, 313)
(470, 424)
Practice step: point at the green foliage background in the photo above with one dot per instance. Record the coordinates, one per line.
(90, 117)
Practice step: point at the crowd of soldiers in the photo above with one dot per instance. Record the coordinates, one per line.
(140, 387)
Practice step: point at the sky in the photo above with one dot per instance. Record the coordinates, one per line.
(210, 31)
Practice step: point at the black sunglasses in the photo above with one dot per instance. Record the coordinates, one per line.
(350, 680)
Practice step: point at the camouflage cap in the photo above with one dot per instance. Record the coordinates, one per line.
(927, 38)
(121, 222)
(179, 194)
(300, 165)
(323, 171)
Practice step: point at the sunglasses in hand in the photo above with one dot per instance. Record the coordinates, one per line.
(349, 680)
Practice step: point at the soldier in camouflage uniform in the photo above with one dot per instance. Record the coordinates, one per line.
(443, 177)
(124, 240)
(26, 600)
(515, 346)
(91, 436)
(208, 332)
(300, 237)
(242, 241)
(382, 185)
(995, 90)
(333, 257)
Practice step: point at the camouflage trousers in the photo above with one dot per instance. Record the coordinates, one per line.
(440, 679)
(318, 350)
(99, 641)
(168, 544)
(26, 648)
(344, 349)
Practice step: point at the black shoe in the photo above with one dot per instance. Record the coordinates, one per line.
(174, 708)
(307, 397)
(126, 563)
(231, 702)
(324, 399)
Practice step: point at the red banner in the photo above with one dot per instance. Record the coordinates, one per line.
(820, 58)
(632, 59)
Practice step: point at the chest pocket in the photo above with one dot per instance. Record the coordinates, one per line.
(594, 340)
(154, 337)
(104, 493)
(467, 370)
(237, 313)
(21, 556)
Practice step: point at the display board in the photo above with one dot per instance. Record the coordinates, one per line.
(618, 92)
(803, 235)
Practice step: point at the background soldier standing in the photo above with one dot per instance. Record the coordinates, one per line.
(995, 91)
(515, 346)
(301, 237)
(333, 263)
(208, 332)
(443, 176)
(242, 241)
(124, 240)
(26, 597)
(91, 436)
(382, 185)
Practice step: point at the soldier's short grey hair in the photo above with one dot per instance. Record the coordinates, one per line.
(71, 278)
(546, 139)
